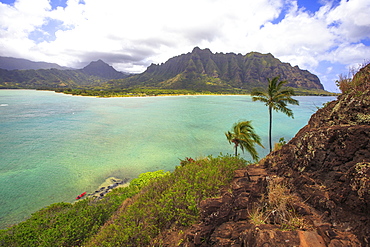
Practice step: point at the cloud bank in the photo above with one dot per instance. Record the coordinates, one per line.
(132, 34)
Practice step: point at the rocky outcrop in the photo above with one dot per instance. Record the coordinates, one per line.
(326, 167)
(328, 162)
(226, 221)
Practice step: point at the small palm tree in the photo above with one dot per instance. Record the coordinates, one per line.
(243, 136)
(276, 98)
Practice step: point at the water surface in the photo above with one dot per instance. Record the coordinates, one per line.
(55, 146)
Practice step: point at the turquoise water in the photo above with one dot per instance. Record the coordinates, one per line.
(55, 146)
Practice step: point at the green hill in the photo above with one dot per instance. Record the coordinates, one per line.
(93, 75)
(204, 70)
(199, 71)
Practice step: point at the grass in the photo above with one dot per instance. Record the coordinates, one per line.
(276, 207)
(130, 216)
(67, 224)
(357, 80)
(169, 203)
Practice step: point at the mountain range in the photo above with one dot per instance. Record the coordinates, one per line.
(199, 70)
(11, 63)
(204, 70)
(94, 74)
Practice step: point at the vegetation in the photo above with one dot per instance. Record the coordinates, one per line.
(66, 224)
(355, 81)
(132, 92)
(142, 92)
(277, 207)
(159, 200)
(280, 144)
(243, 136)
(199, 71)
(168, 203)
(203, 70)
(276, 98)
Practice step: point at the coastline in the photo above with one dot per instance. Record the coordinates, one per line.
(107, 186)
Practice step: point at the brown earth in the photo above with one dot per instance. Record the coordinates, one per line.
(326, 167)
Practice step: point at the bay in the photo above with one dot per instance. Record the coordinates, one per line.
(55, 146)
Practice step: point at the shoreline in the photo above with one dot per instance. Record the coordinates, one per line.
(107, 186)
(321, 94)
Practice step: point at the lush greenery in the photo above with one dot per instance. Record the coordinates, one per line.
(243, 136)
(276, 97)
(132, 92)
(204, 70)
(66, 224)
(197, 72)
(162, 200)
(169, 202)
(142, 92)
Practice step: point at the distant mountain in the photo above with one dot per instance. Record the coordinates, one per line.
(11, 63)
(204, 70)
(101, 69)
(93, 75)
(199, 70)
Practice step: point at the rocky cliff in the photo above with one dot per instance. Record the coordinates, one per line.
(314, 191)
(203, 70)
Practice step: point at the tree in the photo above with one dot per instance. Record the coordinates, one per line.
(276, 98)
(243, 136)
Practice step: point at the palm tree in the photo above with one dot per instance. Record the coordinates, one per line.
(243, 136)
(276, 98)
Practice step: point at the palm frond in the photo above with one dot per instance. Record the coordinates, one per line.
(277, 98)
(243, 136)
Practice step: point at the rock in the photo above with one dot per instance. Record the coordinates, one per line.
(310, 239)
(327, 168)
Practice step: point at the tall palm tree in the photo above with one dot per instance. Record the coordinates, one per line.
(276, 98)
(243, 136)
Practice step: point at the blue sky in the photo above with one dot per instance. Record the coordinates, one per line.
(326, 37)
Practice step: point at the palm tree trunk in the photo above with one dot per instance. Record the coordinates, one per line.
(236, 150)
(270, 127)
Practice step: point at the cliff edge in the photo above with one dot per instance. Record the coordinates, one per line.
(314, 191)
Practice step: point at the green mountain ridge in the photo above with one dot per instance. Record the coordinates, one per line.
(199, 71)
(203, 70)
(92, 75)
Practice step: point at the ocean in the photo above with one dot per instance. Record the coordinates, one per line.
(55, 146)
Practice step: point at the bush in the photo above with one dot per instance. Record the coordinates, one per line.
(66, 224)
(356, 81)
(171, 201)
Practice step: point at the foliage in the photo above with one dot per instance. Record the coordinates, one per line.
(276, 98)
(169, 202)
(66, 224)
(243, 136)
(162, 199)
(279, 144)
(357, 80)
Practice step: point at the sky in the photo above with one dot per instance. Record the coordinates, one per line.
(326, 37)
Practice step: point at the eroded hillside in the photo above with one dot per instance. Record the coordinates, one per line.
(323, 192)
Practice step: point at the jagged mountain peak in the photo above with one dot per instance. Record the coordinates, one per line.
(201, 69)
(102, 69)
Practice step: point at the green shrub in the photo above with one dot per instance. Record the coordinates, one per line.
(66, 224)
(169, 202)
(160, 200)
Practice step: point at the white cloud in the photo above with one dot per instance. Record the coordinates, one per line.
(132, 34)
(351, 20)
